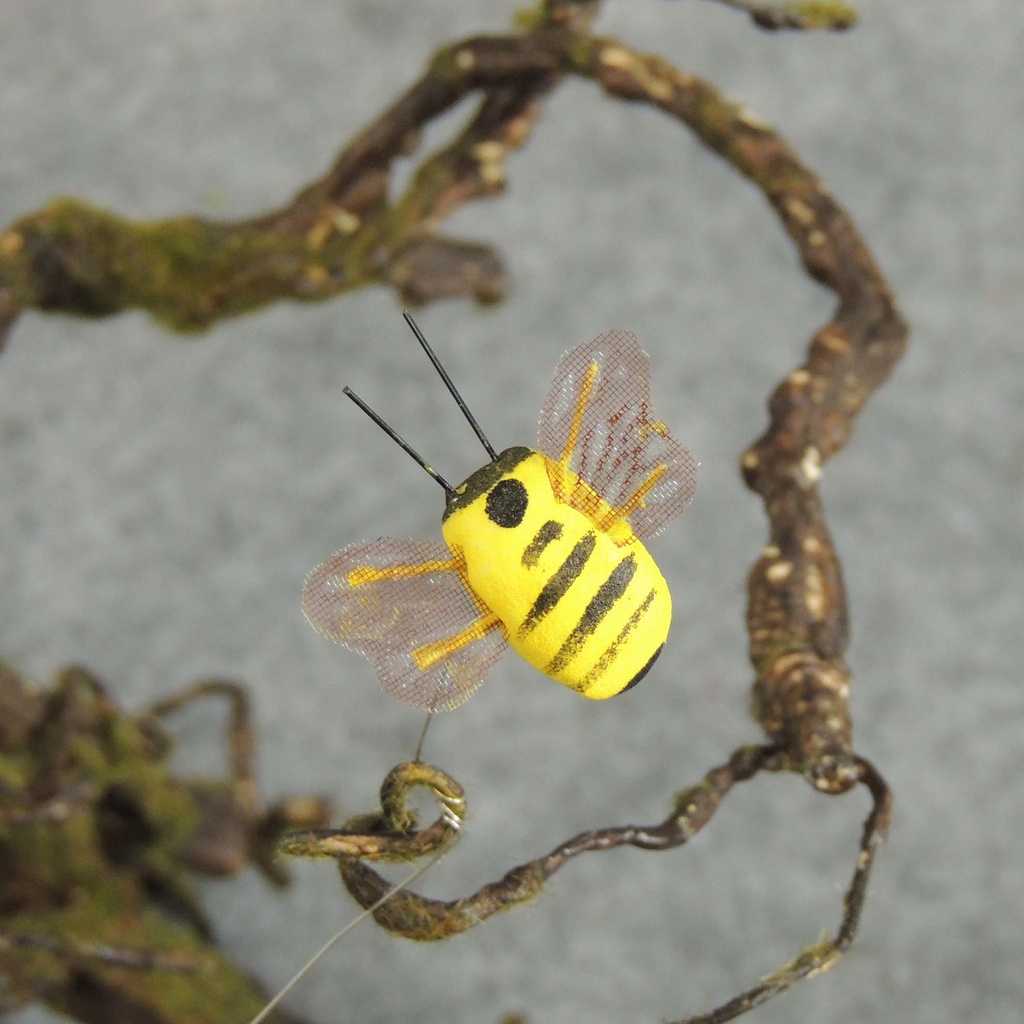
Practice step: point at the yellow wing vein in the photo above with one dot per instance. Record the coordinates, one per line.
(636, 501)
(577, 415)
(368, 574)
(430, 654)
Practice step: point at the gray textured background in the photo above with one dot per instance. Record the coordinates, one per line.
(163, 498)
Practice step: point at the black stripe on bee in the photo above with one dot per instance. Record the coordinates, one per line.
(636, 679)
(600, 605)
(564, 577)
(549, 532)
(613, 648)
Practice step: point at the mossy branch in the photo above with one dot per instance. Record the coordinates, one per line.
(804, 15)
(345, 230)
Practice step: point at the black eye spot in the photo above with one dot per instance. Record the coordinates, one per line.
(506, 503)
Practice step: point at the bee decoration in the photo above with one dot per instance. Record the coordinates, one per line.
(543, 548)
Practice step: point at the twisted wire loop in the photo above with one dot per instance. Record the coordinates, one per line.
(391, 835)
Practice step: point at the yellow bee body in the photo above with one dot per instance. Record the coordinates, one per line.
(543, 549)
(586, 606)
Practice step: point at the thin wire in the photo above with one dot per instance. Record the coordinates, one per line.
(400, 441)
(423, 736)
(459, 401)
(322, 952)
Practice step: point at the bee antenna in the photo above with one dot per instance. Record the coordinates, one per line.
(400, 441)
(448, 384)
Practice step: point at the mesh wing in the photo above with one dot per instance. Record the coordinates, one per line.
(388, 619)
(620, 442)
